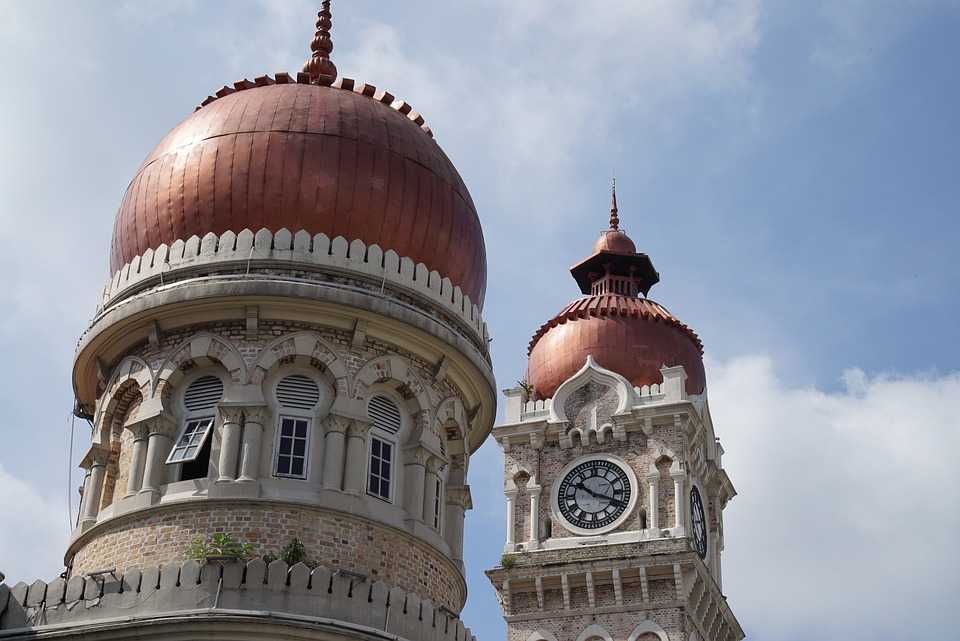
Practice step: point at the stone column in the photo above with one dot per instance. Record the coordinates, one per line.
(138, 459)
(457, 501)
(511, 516)
(96, 462)
(653, 518)
(355, 474)
(159, 442)
(431, 477)
(534, 491)
(414, 475)
(84, 494)
(253, 419)
(333, 455)
(679, 503)
(229, 443)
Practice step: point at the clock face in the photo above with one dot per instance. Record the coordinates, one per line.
(699, 523)
(594, 494)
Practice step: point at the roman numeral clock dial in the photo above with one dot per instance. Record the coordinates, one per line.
(595, 495)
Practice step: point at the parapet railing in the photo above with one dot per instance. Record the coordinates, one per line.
(541, 408)
(233, 586)
(319, 250)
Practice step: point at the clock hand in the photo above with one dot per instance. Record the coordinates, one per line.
(595, 495)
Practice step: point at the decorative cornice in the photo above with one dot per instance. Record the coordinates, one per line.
(238, 253)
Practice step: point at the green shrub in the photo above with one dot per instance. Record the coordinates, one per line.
(220, 544)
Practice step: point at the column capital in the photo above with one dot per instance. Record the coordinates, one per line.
(417, 455)
(337, 424)
(156, 423)
(231, 413)
(357, 428)
(460, 497)
(255, 414)
(435, 464)
(96, 455)
(160, 424)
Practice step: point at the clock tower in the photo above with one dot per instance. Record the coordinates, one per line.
(613, 478)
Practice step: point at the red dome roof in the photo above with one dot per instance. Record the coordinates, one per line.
(303, 156)
(616, 241)
(633, 337)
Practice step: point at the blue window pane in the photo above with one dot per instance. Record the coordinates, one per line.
(299, 447)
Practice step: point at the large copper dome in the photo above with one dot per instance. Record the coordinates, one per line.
(305, 156)
(633, 337)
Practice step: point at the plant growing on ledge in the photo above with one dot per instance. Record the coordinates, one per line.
(507, 561)
(220, 547)
(526, 388)
(293, 553)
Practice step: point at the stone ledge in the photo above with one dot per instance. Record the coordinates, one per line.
(251, 589)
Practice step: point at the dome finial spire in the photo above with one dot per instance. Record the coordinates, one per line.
(320, 68)
(614, 218)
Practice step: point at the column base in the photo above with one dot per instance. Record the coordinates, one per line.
(234, 489)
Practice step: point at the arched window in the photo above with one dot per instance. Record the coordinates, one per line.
(192, 448)
(386, 419)
(297, 397)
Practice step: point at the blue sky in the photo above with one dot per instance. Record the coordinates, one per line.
(791, 168)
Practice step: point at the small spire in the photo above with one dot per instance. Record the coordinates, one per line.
(614, 218)
(319, 67)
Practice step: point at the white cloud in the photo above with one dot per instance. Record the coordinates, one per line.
(849, 505)
(538, 90)
(34, 531)
(141, 13)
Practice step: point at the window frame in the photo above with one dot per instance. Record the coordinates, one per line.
(187, 422)
(188, 417)
(392, 478)
(286, 412)
(292, 416)
(391, 439)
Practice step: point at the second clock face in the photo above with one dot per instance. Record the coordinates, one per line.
(594, 494)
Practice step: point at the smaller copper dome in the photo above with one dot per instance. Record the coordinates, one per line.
(633, 337)
(616, 241)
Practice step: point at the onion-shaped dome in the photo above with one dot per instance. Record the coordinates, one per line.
(312, 154)
(632, 336)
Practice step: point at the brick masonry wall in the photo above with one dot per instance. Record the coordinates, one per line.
(332, 539)
(618, 625)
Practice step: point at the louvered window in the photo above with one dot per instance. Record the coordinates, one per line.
(298, 392)
(385, 414)
(203, 394)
